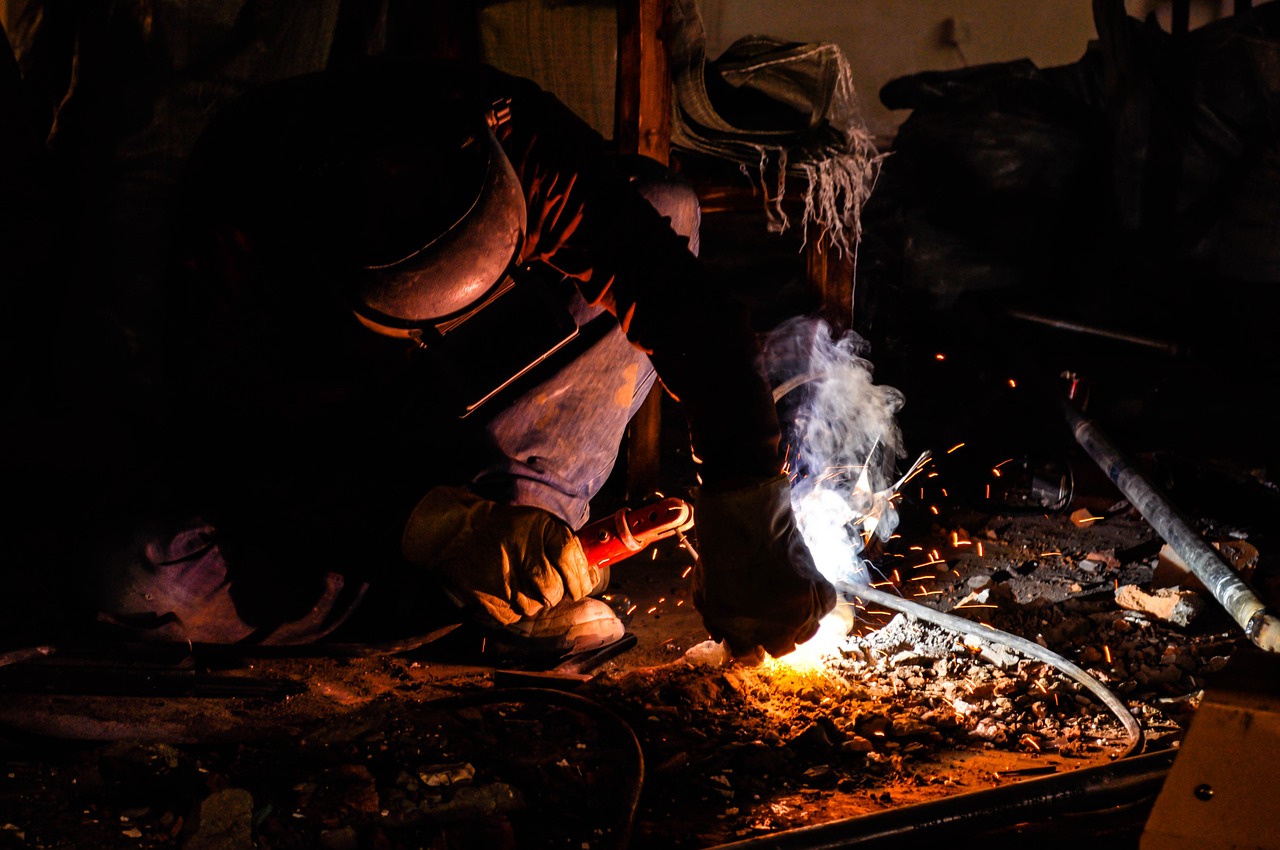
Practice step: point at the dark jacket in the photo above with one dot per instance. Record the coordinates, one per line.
(271, 370)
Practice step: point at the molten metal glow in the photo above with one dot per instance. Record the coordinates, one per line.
(813, 655)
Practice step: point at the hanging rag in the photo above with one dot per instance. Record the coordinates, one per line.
(788, 109)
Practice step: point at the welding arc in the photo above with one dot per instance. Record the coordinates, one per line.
(997, 638)
(951, 622)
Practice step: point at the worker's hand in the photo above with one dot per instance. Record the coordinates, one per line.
(755, 582)
(506, 561)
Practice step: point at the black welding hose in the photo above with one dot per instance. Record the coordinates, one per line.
(996, 638)
(1261, 626)
(620, 733)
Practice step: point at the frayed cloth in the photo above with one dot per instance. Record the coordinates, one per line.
(786, 109)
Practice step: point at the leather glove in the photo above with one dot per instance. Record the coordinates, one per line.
(755, 582)
(511, 561)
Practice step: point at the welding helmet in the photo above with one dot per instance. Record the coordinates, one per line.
(439, 221)
(392, 183)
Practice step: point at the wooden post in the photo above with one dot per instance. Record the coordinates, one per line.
(829, 273)
(643, 125)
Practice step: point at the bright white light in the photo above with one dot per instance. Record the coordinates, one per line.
(846, 444)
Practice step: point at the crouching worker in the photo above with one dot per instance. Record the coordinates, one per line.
(415, 308)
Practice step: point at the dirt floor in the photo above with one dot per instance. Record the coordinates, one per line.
(1071, 646)
(665, 745)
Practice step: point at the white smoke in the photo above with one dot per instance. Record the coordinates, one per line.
(843, 442)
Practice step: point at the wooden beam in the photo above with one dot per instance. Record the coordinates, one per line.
(642, 125)
(643, 105)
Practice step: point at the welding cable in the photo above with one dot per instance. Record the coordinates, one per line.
(993, 637)
(619, 732)
(996, 639)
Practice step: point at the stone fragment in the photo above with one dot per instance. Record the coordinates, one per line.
(1167, 604)
(224, 821)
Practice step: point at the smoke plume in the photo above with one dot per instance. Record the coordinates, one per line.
(843, 442)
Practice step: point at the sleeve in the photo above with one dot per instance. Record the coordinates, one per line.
(586, 221)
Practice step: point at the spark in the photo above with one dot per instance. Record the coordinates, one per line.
(979, 548)
(1106, 652)
(956, 446)
(686, 572)
(847, 441)
(685, 544)
(651, 610)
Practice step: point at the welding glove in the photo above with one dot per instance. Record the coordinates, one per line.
(755, 582)
(504, 562)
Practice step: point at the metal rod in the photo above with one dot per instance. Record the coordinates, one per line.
(1062, 324)
(1244, 606)
(1089, 789)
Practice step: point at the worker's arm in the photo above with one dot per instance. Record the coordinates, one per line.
(756, 584)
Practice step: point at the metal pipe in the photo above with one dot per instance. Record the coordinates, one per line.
(1091, 789)
(1244, 606)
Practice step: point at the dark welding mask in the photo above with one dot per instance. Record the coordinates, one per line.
(440, 242)
(436, 224)
(424, 225)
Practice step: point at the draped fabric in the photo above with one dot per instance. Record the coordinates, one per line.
(786, 109)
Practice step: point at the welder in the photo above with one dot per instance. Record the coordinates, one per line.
(414, 309)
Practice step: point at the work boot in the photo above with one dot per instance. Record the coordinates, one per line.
(569, 628)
